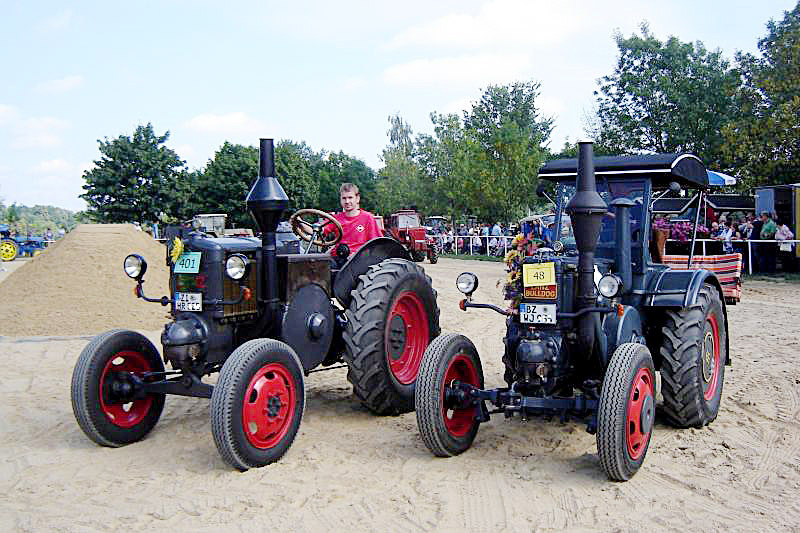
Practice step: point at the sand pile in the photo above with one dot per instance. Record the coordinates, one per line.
(78, 287)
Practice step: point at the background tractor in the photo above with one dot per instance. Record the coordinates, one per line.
(263, 315)
(405, 227)
(593, 319)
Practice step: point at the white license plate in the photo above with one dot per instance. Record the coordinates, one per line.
(537, 313)
(189, 301)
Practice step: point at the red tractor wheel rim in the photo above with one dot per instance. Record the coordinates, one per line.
(710, 357)
(269, 405)
(119, 410)
(459, 421)
(640, 413)
(406, 336)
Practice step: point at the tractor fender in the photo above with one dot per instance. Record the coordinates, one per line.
(679, 288)
(372, 253)
(621, 329)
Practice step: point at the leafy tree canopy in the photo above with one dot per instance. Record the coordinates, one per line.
(135, 180)
(764, 142)
(667, 96)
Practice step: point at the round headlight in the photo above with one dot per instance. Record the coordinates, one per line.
(135, 266)
(558, 246)
(467, 282)
(609, 285)
(236, 266)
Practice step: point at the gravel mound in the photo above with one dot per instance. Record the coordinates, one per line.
(77, 286)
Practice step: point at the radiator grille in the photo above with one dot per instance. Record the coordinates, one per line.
(230, 291)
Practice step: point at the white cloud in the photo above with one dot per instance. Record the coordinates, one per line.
(53, 166)
(353, 83)
(459, 105)
(8, 114)
(468, 70)
(236, 124)
(39, 132)
(60, 86)
(499, 22)
(57, 22)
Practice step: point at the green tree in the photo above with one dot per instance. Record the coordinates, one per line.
(511, 133)
(400, 184)
(667, 97)
(135, 180)
(447, 160)
(223, 185)
(332, 169)
(764, 144)
(12, 215)
(293, 168)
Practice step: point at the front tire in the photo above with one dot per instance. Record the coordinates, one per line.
(258, 403)
(693, 354)
(447, 426)
(433, 255)
(627, 410)
(103, 396)
(392, 318)
(8, 250)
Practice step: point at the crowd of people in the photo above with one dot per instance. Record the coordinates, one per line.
(488, 239)
(767, 227)
(731, 230)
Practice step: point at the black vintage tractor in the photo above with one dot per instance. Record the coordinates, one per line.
(263, 315)
(596, 317)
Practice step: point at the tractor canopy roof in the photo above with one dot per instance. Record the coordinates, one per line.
(686, 169)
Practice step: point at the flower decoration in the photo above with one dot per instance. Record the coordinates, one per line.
(521, 246)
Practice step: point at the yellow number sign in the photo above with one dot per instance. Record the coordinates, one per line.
(538, 274)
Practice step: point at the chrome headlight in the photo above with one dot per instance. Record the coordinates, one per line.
(467, 282)
(609, 285)
(558, 246)
(236, 266)
(135, 266)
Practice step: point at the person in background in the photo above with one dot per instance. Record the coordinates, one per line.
(48, 235)
(726, 235)
(769, 250)
(785, 249)
(715, 230)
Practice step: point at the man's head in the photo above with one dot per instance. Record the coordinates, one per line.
(714, 226)
(349, 198)
(764, 216)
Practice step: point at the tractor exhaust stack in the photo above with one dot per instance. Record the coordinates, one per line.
(267, 201)
(586, 210)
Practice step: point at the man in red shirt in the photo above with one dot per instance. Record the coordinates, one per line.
(358, 226)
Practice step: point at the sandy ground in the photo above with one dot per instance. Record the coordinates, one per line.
(349, 470)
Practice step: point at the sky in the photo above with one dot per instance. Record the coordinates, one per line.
(329, 73)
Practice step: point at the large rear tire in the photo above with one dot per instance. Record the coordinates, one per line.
(258, 403)
(392, 318)
(103, 396)
(446, 425)
(627, 410)
(693, 355)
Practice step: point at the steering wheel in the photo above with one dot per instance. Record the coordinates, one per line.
(312, 232)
